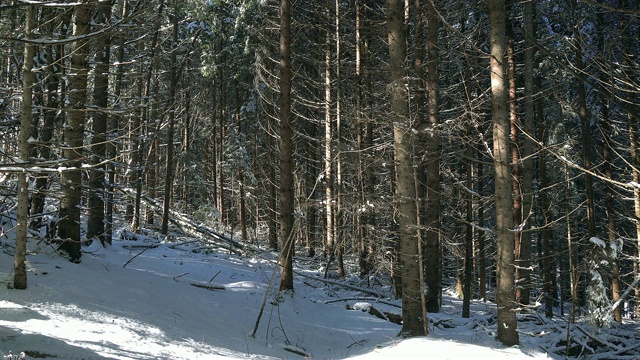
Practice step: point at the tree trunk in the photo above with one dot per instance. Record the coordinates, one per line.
(526, 184)
(114, 130)
(22, 212)
(584, 123)
(634, 154)
(432, 250)
(468, 239)
(505, 296)
(413, 321)
(359, 100)
(96, 216)
(522, 262)
(71, 180)
(482, 258)
(45, 135)
(141, 120)
(548, 261)
(286, 151)
(606, 128)
(169, 166)
(339, 233)
(329, 244)
(583, 114)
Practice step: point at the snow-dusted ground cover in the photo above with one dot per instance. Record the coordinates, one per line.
(178, 301)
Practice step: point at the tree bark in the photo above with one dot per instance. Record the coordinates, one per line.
(22, 212)
(71, 180)
(286, 151)
(548, 257)
(114, 130)
(169, 165)
(432, 251)
(330, 242)
(505, 296)
(50, 115)
(96, 216)
(526, 184)
(413, 321)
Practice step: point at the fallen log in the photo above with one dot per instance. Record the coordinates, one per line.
(394, 318)
(209, 286)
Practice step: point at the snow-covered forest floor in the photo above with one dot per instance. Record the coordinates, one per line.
(145, 297)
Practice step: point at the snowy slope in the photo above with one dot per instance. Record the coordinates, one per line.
(177, 302)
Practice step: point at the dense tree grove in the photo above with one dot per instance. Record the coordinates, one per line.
(489, 147)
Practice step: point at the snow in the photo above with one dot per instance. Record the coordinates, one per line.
(144, 299)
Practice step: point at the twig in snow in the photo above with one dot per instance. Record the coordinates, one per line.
(140, 253)
(175, 278)
(214, 276)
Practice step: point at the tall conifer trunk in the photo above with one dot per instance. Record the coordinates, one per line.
(413, 314)
(96, 217)
(71, 181)
(22, 212)
(286, 151)
(432, 251)
(169, 165)
(505, 295)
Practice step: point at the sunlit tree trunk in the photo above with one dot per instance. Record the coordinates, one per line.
(22, 212)
(413, 314)
(330, 242)
(339, 232)
(505, 295)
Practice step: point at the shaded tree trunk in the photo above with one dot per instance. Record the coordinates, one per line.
(114, 129)
(432, 250)
(96, 215)
(71, 180)
(45, 135)
(286, 151)
(548, 257)
(606, 128)
(169, 165)
(526, 184)
(22, 212)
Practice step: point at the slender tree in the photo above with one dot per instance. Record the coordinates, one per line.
(20, 254)
(173, 84)
(96, 216)
(432, 250)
